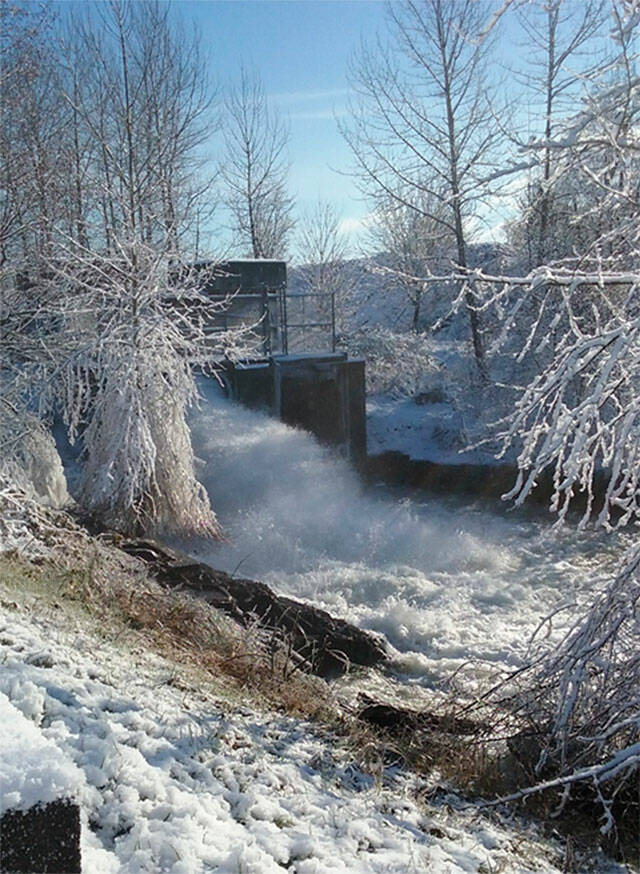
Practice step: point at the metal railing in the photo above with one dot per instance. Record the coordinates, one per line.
(308, 329)
(287, 322)
(257, 310)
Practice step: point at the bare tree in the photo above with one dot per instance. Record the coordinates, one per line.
(564, 48)
(322, 272)
(139, 99)
(31, 131)
(422, 132)
(254, 170)
(321, 247)
(409, 243)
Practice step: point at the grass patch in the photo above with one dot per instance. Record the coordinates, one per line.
(114, 596)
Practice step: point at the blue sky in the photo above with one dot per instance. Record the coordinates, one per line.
(301, 50)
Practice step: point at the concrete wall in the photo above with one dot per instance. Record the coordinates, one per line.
(324, 394)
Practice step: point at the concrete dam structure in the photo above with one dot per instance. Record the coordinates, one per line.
(323, 394)
(301, 378)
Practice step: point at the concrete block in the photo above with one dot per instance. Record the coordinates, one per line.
(42, 840)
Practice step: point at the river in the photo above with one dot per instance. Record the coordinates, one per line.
(449, 584)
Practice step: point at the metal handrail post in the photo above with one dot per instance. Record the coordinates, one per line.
(266, 328)
(333, 321)
(284, 327)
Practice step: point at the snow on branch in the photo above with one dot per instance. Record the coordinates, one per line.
(118, 336)
(585, 712)
(129, 385)
(580, 415)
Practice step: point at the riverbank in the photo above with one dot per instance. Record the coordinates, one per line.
(421, 444)
(186, 764)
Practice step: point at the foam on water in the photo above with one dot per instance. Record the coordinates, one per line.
(443, 582)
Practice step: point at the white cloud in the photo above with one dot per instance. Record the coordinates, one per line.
(353, 226)
(309, 96)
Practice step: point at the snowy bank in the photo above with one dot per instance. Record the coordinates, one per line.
(32, 769)
(178, 780)
(429, 431)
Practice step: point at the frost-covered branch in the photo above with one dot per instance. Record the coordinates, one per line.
(580, 704)
(102, 319)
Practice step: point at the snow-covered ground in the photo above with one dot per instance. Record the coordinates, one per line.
(444, 416)
(424, 431)
(173, 780)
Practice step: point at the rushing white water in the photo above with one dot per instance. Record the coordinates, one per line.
(444, 582)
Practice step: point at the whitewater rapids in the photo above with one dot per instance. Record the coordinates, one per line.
(446, 583)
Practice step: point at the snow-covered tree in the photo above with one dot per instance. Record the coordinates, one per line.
(398, 363)
(107, 322)
(129, 332)
(30, 124)
(422, 132)
(580, 418)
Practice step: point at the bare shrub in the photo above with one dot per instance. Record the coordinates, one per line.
(397, 363)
